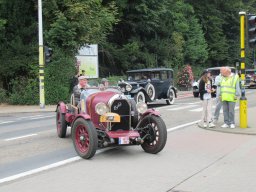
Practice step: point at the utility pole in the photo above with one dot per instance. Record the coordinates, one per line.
(243, 100)
(41, 56)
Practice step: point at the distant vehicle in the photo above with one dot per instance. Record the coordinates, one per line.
(148, 85)
(105, 118)
(215, 71)
(250, 78)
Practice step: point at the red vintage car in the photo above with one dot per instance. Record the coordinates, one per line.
(108, 118)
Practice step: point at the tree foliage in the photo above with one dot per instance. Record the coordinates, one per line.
(130, 34)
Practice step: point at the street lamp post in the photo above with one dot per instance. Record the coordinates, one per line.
(41, 56)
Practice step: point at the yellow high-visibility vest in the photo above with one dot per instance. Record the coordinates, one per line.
(228, 88)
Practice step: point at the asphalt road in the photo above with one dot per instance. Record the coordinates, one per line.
(33, 158)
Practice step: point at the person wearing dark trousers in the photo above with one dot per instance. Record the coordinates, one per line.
(206, 90)
(230, 91)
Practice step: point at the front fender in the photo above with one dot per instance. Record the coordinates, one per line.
(137, 90)
(148, 112)
(62, 106)
(81, 115)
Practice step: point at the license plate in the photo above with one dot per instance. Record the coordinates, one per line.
(123, 140)
(128, 96)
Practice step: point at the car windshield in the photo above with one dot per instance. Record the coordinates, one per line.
(86, 93)
(215, 72)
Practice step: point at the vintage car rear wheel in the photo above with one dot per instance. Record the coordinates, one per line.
(171, 97)
(155, 128)
(139, 97)
(150, 89)
(61, 123)
(85, 139)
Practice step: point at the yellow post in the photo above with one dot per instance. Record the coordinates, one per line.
(41, 56)
(41, 77)
(243, 100)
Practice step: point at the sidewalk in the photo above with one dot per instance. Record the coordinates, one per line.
(251, 122)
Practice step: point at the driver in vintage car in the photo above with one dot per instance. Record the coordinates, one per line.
(81, 86)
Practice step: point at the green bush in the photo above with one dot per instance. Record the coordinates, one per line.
(24, 91)
(3, 96)
(58, 78)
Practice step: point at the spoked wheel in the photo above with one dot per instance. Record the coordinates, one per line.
(171, 97)
(61, 123)
(154, 133)
(85, 138)
(140, 97)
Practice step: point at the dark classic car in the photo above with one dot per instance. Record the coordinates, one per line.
(148, 85)
(106, 118)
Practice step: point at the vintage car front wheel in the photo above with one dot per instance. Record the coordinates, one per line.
(61, 123)
(85, 138)
(171, 97)
(153, 130)
(140, 97)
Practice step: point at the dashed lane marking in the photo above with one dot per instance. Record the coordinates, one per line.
(73, 159)
(20, 137)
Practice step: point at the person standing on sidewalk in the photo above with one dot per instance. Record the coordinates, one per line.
(230, 91)
(206, 90)
(218, 100)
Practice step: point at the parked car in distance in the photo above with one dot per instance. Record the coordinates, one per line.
(250, 78)
(105, 118)
(148, 85)
(215, 71)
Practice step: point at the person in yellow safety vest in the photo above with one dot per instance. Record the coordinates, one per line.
(229, 92)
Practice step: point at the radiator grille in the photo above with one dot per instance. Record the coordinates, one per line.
(121, 107)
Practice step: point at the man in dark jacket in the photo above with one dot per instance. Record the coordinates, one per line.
(82, 85)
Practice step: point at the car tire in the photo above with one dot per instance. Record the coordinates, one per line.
(139, 97)
(150, 89)
(61, 123)
(85, 138)
(171, 97)
(155, 128)
(196, 94)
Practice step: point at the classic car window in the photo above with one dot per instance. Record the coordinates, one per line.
(164, 75)
(155, 75)
(134, 76)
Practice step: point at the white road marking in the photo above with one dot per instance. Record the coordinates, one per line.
(42, 117)
(29, 117)
(6, 122)
(21, 137)
(73, 159)
(183, 125)
(47, 167)
(182, 107)
(201, 109)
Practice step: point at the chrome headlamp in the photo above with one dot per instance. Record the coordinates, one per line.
(141, 107)
(128, 87)
(101, 108)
